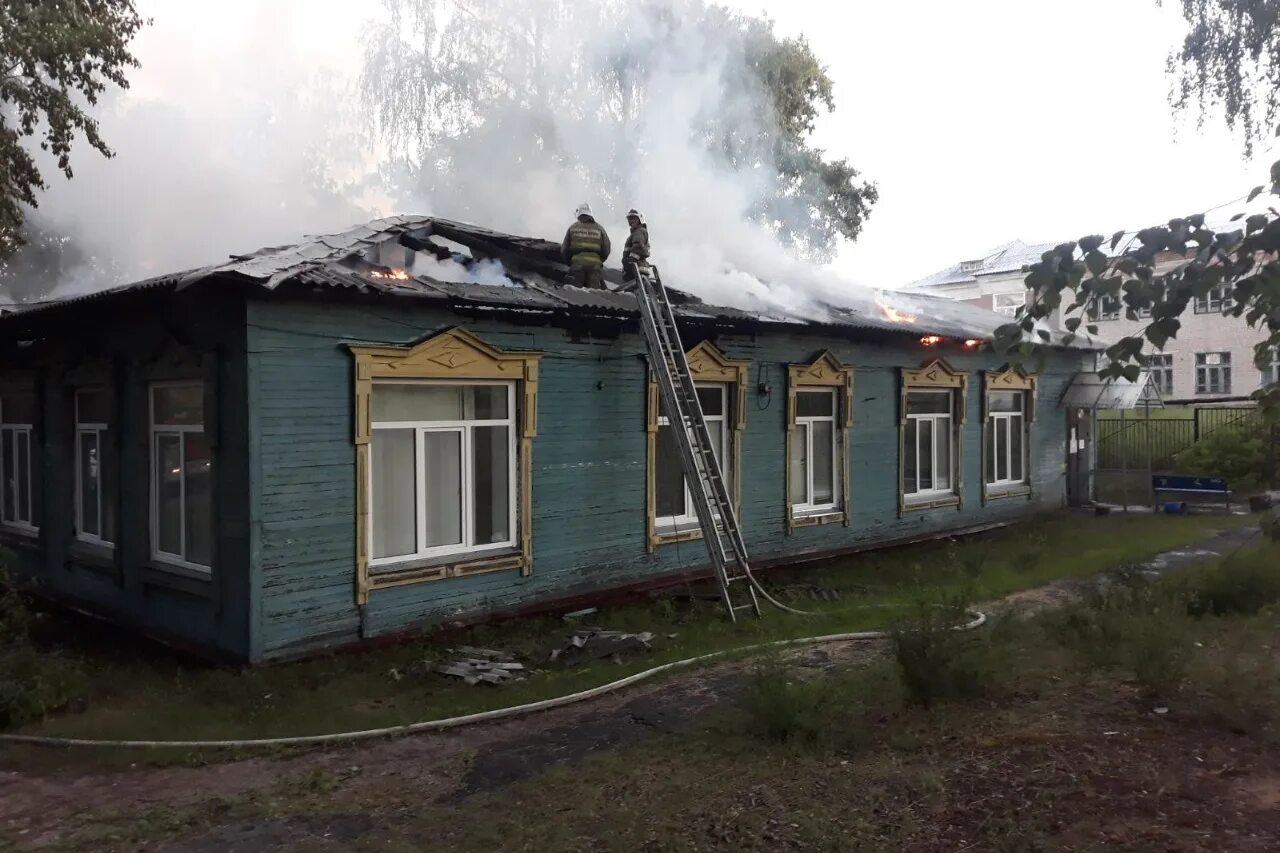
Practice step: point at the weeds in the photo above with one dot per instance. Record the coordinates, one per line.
(783, 707)
(937, 662)
(1241, 584)
(32, 684)
(1238, 686)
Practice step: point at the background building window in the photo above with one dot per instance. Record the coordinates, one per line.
(442, 472)
(181, 477)
(674, 504)
(1213, 373)
(95, 467)
(1008, 303)
(1271, 375)
(1160, 366)
(1215, 302)
(1006, 438)
(815, 464)
(19, 471)
(928, 444)
(1105, 308)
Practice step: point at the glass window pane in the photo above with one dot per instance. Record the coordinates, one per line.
(1002, 448)
(668, 475)
(107, 461)
(942, 442)
(1015, 449)
(1005, 401)
(93, 406)
(910, 441)
(24, 477)
(18, 408)
(491, 478)
(417, 403)
(442, 499)
(712, 401)
(394, 474)
(993, 426)
(810, 404)
(90, 471)
(926, 455)
(488, 402)
(168, 493)
(178, 405)
(7, 488)
(198, 468)
(824, 484)
(798, 465)
(926, 403)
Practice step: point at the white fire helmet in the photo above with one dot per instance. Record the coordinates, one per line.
(584, 209)
(637, 214)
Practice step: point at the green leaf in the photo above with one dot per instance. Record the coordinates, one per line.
(1255, 223)
(1237, 216)
(1096, 262)
(1116, 238)
(1091, 329)
(1072, 324)
(1090, 243)
(1132, 372)
(1257, 191)
(1275, 172)
(1043, 335)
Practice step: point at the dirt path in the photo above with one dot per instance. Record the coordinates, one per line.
(39, 809)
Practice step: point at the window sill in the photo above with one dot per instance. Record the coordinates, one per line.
(21, 538)
(910, 504)
(1014, 490)
(89, 555)
(443, 568)
(181, 578)
(814, 518)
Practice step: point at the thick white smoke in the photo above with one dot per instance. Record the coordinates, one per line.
(244, 129)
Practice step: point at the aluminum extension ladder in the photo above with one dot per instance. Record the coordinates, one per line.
(716, 514)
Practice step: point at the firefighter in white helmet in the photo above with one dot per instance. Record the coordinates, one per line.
(635, 252)
(585, 248)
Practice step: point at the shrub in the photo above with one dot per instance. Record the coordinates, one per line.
(1239, 687)
(1240, 584)
(937, 662)
(32, 683)
(781, 706)
(1243, 456)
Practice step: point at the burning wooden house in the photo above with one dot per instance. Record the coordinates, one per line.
(414, 422)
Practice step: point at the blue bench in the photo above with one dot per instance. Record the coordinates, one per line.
(1190, 485)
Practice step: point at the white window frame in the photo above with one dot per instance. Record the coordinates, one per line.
(1160, 365)
(804, 432)
(97, 430)
(665, 525)
(26, 433)
(1002, 423)
(948, 419)
(1271, 375)
(181, 430)
(1204, 369)
(1216, 301)
(1018, 300)
(465, 428)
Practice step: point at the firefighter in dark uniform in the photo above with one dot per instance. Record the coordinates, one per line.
(636, 249)
(585, 248)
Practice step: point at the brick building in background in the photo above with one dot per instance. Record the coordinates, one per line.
(1211, 360)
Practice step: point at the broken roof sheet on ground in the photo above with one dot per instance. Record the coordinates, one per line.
(419, 257)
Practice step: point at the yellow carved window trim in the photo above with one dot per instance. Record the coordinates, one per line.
(935, 374)
(1008, 379)
(825, 371)
(706, 364)
(454, 354)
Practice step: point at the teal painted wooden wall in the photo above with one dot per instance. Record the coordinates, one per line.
(589, 526)
(147, 337)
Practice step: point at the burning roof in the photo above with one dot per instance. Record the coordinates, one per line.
(465, 265)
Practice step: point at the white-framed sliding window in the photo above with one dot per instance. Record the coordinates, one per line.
(442, 475)
(674, 509)
(1006, 438)
(181, 477)
(95, 467)
(19, 473)
(928, 448)
(815, 463)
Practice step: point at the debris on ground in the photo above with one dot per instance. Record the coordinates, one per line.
(812, 591)
(588, 644)
(483, 666)
(578, 614)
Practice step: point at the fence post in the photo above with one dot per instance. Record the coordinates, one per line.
(1195, 429)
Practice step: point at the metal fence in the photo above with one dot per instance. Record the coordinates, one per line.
(1128, 443)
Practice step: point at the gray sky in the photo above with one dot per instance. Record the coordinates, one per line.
(956, 110)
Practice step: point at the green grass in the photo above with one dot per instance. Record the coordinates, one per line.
(138, 694)
(1168, 413)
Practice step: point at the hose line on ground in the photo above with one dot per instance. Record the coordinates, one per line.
(977, 620)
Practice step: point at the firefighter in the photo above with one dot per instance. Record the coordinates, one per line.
(585, 248)
(636, 249)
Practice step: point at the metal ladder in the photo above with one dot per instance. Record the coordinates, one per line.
(716, 514)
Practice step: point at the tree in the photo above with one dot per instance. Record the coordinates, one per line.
(1230, 58)
(55, 58)
(581, 90)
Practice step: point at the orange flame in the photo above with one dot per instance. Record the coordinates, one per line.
(893, 315)
(930, 341)
(972, 343)
(394, 275)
